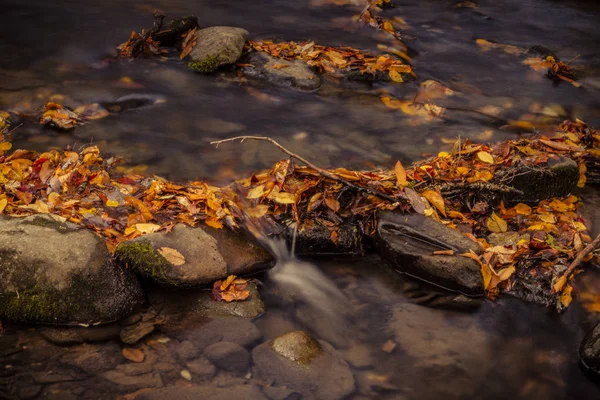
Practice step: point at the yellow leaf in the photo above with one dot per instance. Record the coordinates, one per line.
(565, 297)
(129, 230)
(214, 223)
(256, 192)
(227, 282)
(485, 157)
(147, 228)
(505, 273)
(580, 226)
(559, 284)
(443, 154)
(5, 146)
(395, 76)
(112, 203)
(286, 198)
(3, 203)
(400, 174)
(496, 224)
(171, 255)
(258, 211)
(487, 275)
(436, 199)
(523, 209)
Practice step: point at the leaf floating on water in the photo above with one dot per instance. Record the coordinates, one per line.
(171, 255)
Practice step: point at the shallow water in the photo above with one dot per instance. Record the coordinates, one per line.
(501, 349)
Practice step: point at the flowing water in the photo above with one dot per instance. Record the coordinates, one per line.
(501, 349)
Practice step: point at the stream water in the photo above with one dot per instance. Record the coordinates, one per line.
(502, 349)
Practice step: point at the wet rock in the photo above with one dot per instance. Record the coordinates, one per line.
(228, 356)
(29, 392)
(132, 334)
(589, 352)
(201, 369)
(45, 377)
(202, 331)
(204, 392)
(280, 393)
(407, 242)
(252, 307)
(558, 178)
(358, 356)
(150, 380)
(54, 272)
(77, 335)
(93, 359)
(209, 254)
(316, 240)
(301, 363)
(507, 238)
(186, 351)
(281, 72)
(170, 33)
(216, 46)
(452, 344)
(130, 102)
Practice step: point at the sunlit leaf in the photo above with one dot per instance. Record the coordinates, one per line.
(400, 174)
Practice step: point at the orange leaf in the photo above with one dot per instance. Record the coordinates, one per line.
(436, 199)
(400, 174)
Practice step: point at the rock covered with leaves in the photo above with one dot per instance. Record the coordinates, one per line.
(187, 256)
(55, 272)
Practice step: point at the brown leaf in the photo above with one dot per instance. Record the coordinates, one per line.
(415, 200)
(333, 204)
(443, 253)
(171, 255)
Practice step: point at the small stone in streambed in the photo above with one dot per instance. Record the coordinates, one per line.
(135, 355)
(150, 380)
(280, 393)
(186, 350)
(134, 333)
(252, 307)
(280, 72)
(299, 362)
(228, 356)
(216, 46)
(78, 335)
(201, 369)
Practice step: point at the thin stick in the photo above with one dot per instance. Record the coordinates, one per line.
(582, 254)
(321, 171)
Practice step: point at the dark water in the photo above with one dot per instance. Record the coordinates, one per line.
(501, 350)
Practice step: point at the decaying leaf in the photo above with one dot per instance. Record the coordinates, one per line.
(172, 255)
(231, 289)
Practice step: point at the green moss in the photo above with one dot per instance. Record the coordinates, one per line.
(142, 257)
(206, 66)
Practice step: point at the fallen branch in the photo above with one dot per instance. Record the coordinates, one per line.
(560, 282)
(321, 171)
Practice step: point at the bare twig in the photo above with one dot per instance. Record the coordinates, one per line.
(580, 256)
(479, 186)
(321, 171)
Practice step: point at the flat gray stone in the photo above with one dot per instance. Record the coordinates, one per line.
(201, 369)
(208, 254)
(77, 335)
(55, 272)
(228, 356)
(407, 242)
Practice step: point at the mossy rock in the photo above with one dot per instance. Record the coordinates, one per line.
(216, 46)
(202, 255)
(54, 272)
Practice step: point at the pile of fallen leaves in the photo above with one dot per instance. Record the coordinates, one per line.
(336, 60)
(230, 289)
(94, 190)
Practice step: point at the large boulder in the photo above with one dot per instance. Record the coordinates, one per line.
(408, 241)
(299, 362)
(53, 271)
(216, 46)
(589, 352)
(189, 256)
(281, 72)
